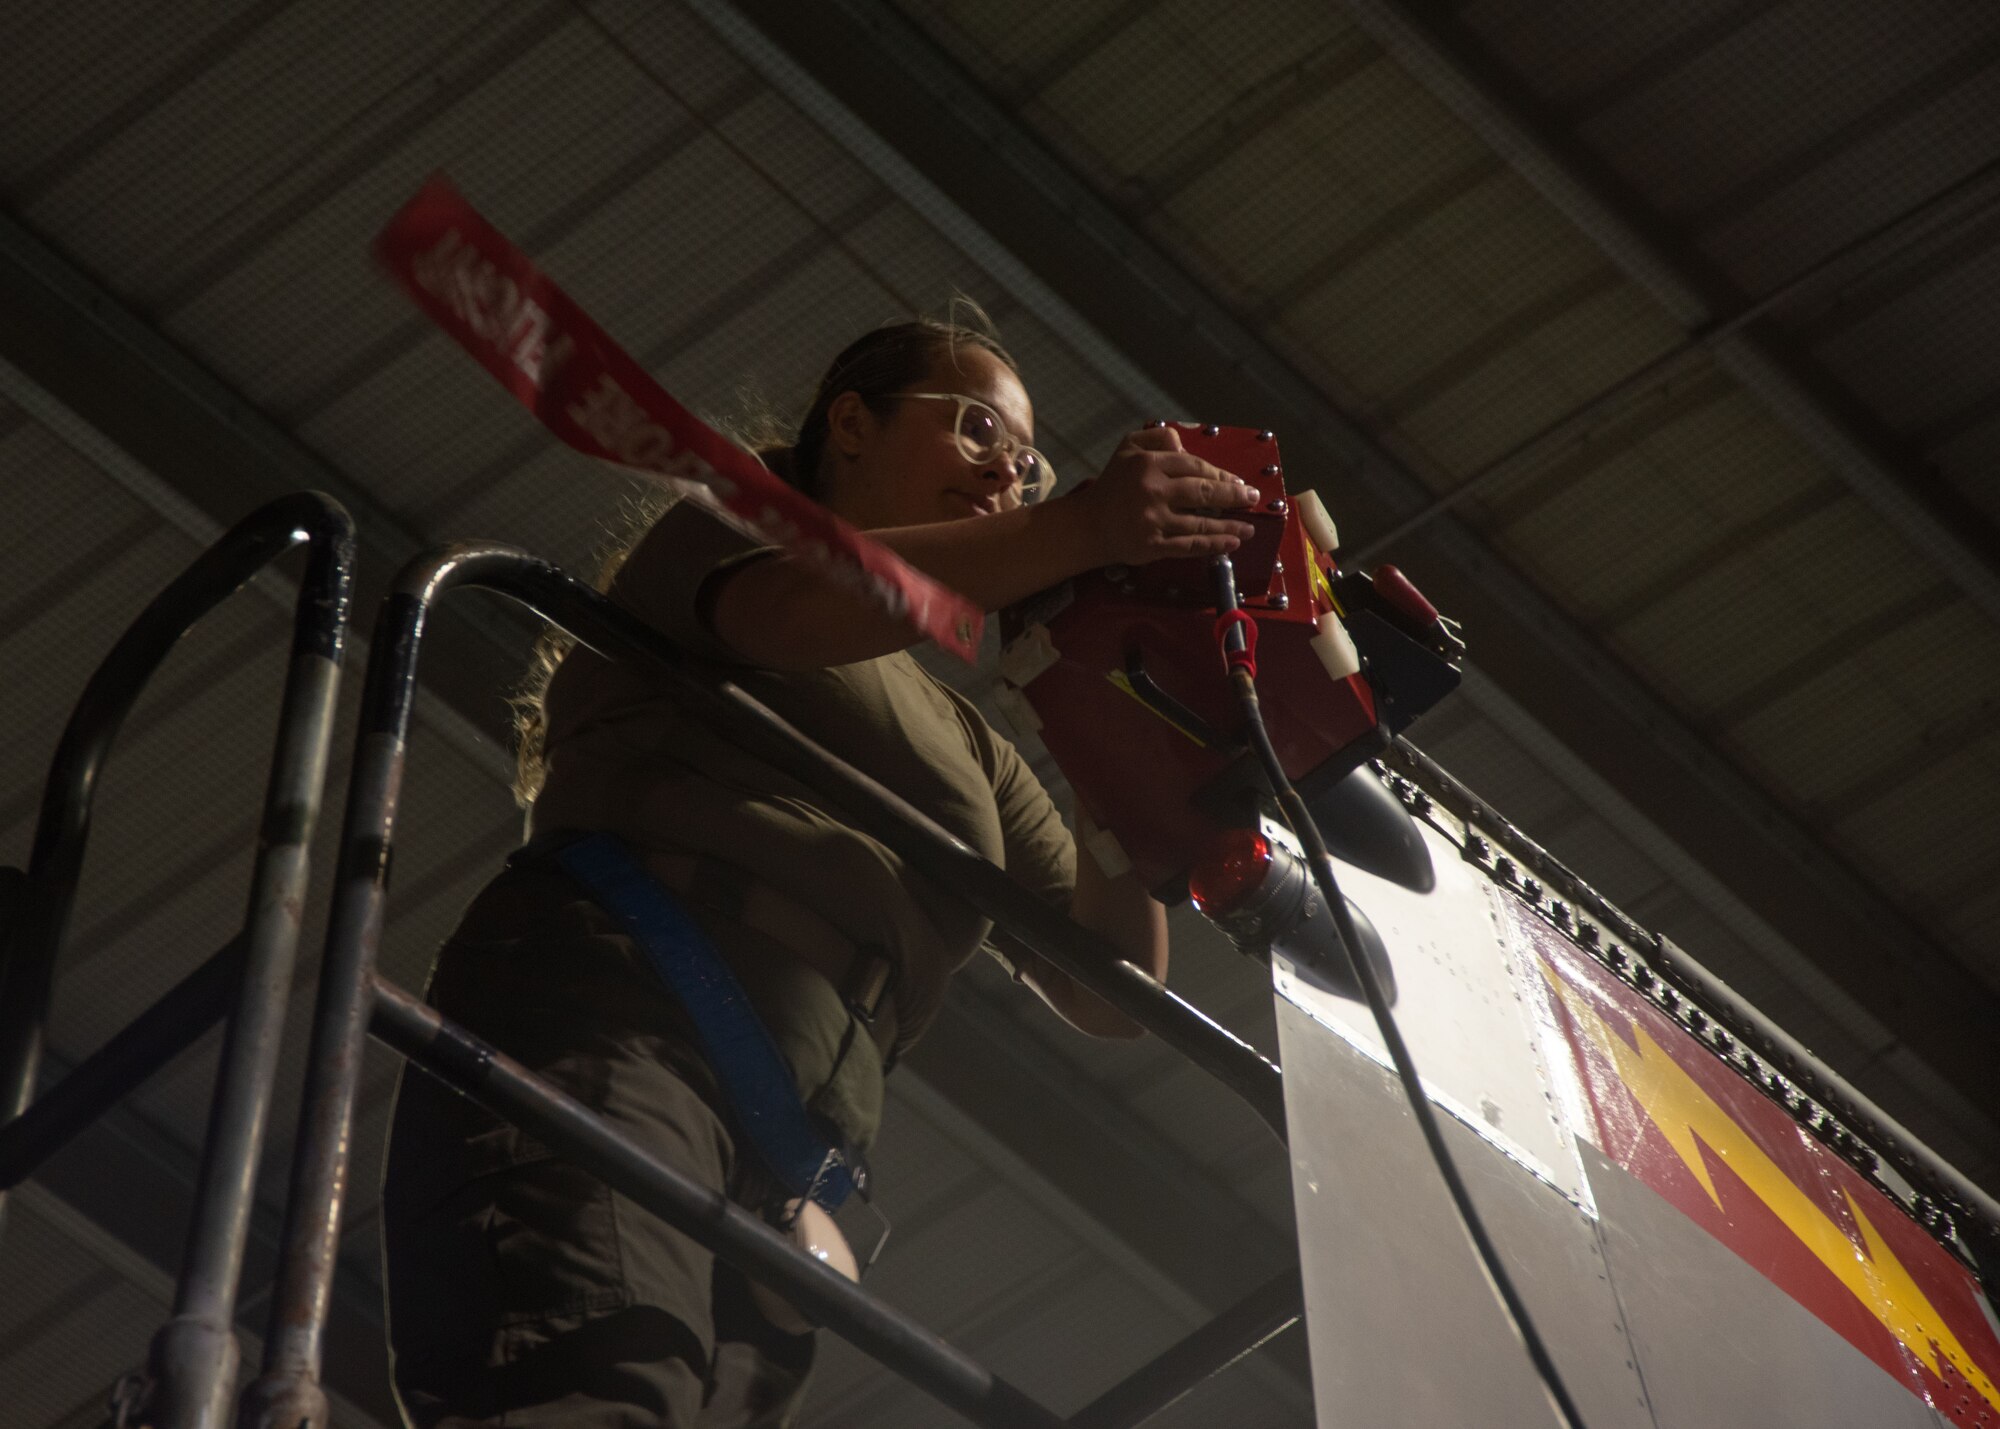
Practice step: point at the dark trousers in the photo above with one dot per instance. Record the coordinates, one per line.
(524, 1292)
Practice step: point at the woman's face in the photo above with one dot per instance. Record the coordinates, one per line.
(905, 467)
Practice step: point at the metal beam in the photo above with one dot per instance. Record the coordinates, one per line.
(865, 73)
(1446, 58)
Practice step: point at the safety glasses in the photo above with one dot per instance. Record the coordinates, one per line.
(983, 437)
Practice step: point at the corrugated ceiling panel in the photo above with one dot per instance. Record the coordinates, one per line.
(1501, 257)
(81, 1324)
(1930, 133)
(1247, 48)
(1506, 397)
(1975, 453)
(1107, 1326)
(1273, 207)
(1459, 737)
(1190, 1107)
(1828, 733)
(1403, 311)
(1777, 134)
(1940, 672)
(1623, 518)
(919, 1166)
(1896, 830)
(286, 311)
(1582, 51)
(1762, 91)
(1120, 1067)
(1092, 99)
(135, 198)
(979, 1253)
(1969, 1150)
(1717, 642)
(49, 1278)
(1931, 357)
(123, 54)
(1020, 37)
(1973, 922)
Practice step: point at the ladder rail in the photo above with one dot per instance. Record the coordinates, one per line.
(351, 997)
(195, 1354)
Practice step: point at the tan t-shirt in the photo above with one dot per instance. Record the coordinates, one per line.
(621, 757)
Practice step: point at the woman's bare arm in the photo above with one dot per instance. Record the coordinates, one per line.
(1152, 501)
(1126, 914)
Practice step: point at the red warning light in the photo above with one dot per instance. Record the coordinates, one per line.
(1393, 586)
(1231, 869)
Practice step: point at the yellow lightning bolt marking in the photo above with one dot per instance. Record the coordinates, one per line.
(1683, 1111)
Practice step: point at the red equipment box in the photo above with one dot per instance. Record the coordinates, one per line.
(1121, 672)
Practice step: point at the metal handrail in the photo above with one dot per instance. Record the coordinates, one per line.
(582, 1137)
(350, 996)
(195, 1354)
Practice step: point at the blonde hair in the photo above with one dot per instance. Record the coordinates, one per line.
(876, 366)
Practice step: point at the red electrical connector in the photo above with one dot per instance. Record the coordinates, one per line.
(1246, 658)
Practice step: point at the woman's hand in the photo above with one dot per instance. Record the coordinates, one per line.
(1126, 913)
(1155, 500)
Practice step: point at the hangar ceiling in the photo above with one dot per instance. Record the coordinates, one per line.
(1658, 343)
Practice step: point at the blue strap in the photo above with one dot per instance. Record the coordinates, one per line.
(747, 1062)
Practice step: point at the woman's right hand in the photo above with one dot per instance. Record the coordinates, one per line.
(1155, 500)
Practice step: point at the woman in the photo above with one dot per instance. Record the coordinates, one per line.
(522, 1291)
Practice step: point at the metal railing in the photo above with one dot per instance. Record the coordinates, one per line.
(194, 1356)
(353, 999)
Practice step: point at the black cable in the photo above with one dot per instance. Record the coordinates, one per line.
(1243, 675)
